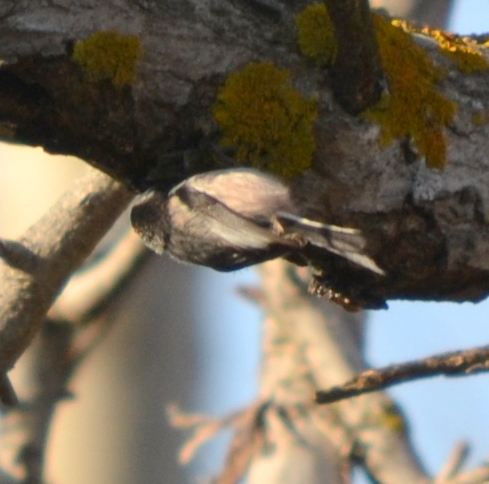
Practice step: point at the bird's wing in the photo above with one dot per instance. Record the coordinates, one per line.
(236, 229)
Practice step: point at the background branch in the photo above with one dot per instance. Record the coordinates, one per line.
(323, 333)
(449, 364)
(67, 337)
(34, 268)
(97, 283)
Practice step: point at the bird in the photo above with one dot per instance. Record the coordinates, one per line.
(233, 218)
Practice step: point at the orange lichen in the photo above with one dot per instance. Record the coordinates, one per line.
(465, 52)
(414, 108)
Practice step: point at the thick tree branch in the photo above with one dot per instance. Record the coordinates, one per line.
(426, 228)
(313, 442)
(66, 341)
(357, 75)
(89, 291)
(331, 354)
(319, 337)
(35, 268)
(81, 316)
(449, 364)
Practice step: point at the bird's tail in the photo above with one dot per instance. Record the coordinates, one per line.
(342, 241)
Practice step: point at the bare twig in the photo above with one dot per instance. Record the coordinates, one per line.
(357, 73)
(451, 471)
(448, 364)
(251, 293)
(479, 475)
(35, 268)
(454, 463)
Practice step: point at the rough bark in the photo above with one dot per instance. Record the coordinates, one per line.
(35, 268)
(427, 228)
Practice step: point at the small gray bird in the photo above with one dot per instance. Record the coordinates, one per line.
(230, 219)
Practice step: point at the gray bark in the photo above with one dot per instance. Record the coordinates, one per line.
(426, 228)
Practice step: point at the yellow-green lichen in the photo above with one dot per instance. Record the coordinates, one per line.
(267, 121)
(316, 34)
(109, 55)
(387, 415)
(481, 118)
(414, 107)
(465, 52)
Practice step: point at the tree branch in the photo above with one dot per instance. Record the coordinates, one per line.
(449, 364)
(89, 291)
(454, 463)
(427, 228)
(357, 74)
(78, 320)
(331, 354)
(34, 269)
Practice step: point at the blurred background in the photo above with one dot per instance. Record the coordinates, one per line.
(170, 344)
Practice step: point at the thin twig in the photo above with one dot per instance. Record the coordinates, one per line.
(454, 463)
(449, 364)
(476, 476)
(451, 471)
